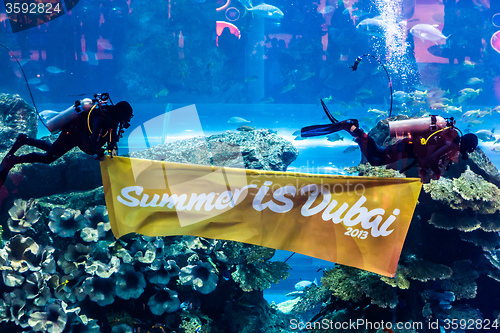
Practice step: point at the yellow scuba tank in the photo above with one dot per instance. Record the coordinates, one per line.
(55, 121)
(418, 127)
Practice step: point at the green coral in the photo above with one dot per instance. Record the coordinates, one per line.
(399, 280)
(424, 270)
(194, 321)
(463, 281)
(312, 297)
(468, 191)
(254, 254)
(260, 275)
(368, 170)
(351, 284)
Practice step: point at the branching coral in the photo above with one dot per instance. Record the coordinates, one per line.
(451, 220)
(351, 284)
(468, 191)
(424, 270)
(66, 222)
(260, 275)
(22, 216)
(368, 170)
(463, 281)
(202, 277)
(488, 241)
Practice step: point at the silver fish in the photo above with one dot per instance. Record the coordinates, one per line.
(54, 70)
(266, 11)
(428, 32)
(238, 120)
(485, 135)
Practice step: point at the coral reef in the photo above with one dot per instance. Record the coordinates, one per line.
(367, 170)
(22, 216)
(350, 284)
(469, 191)
(259, 149)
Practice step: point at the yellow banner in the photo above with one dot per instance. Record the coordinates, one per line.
(355, 221)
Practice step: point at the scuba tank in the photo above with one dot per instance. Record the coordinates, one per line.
(417, 127)
(55, 121)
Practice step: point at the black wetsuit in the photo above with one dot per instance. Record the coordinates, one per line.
(103, 130)
(435, 154)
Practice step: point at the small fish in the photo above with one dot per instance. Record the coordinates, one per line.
(266, 11)
(198, 328)
(287, 88)
(350, 149)
(43, 87)
(475, 80)
(470, 91)
(496, 149)
(335, 137)
(302, 285)
(378, 112)
(61, 285)
(252, 78)
(438, 106)
(54, 70)
(35, 81)
(328, 99)
(245, 128)
(451, 108)
(306, 76)
(471, 113)
(162, 93)
(373, 27)
(238, 120)
(401, 97)
(485, 135)
(428, 32)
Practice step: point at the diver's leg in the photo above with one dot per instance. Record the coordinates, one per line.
(317, 130)
(62, 145)
(376, 155)
(23, 139)
(38, 143)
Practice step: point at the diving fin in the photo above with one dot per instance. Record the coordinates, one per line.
(328, 114)
(317, 130)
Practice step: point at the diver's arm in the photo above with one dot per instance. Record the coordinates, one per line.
(441, 152)
(97, 132)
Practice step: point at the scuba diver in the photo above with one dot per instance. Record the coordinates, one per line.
(89, 125)
(432, 142)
